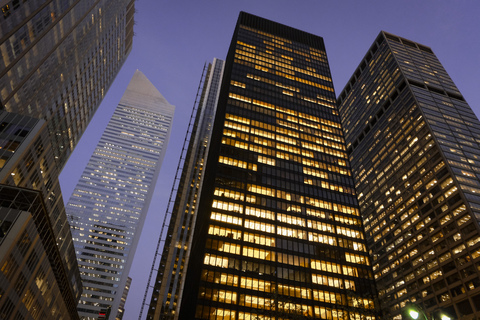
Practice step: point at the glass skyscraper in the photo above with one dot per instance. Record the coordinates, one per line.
(277, 232)
(58, 58)
(414, 145)
(108, 207)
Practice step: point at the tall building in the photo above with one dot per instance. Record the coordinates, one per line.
(58, 58)
(191, 172)
(414, 146)
(108, 207)
(277, 232)
(33, 281)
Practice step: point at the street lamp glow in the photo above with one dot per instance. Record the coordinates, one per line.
(414, 314)
(444, 317)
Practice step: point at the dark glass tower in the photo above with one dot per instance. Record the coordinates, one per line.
(58, 60)
(414, 146)
(277, 232)
(170, 277)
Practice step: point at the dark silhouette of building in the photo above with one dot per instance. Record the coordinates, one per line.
(414, 146)
(275, 230)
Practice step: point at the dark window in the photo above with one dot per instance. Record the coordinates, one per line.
(464, 308)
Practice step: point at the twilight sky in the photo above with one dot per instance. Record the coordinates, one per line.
(175, 38)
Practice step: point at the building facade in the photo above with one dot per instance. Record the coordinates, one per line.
(170, 278)
(414, 146)
(278, 233)
(27, 163)
(58, 58)
(33, 282)
(108, 206)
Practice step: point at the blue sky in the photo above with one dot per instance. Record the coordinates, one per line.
(175, 38)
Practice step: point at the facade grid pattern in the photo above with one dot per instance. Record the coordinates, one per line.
(170, 277)
(33, 281)
(414, 146)
(278, 232)
(108, 207)
(58, 58)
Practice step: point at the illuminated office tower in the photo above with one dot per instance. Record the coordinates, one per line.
(108, 207)
(414, 146)
(278, 233)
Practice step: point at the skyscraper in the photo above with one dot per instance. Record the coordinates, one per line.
(108, 207)
(414, 146)
(183, 215)
(33, 280)
(58, 59)
(277, 232)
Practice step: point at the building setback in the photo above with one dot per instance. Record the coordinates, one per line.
(414, 146)
(58, 58)
(108, 207)
(277, 233)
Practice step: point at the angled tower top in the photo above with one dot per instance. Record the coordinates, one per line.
(141, 92)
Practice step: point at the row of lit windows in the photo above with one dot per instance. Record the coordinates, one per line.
(272, 60)
(283, 113)
(272, 82)
(261, 65)
(227, 296)
(211, 313)
(284, 126)
(333, 268)
(230, 206)
(226, 218)
(333, 282)
(260, 213)
(287, 290)
(292, 233)
(226, 193)
(322, 100)
(279, 154)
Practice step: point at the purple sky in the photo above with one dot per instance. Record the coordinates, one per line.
(175, 38)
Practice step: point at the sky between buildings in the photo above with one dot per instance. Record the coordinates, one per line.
(174, 39)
